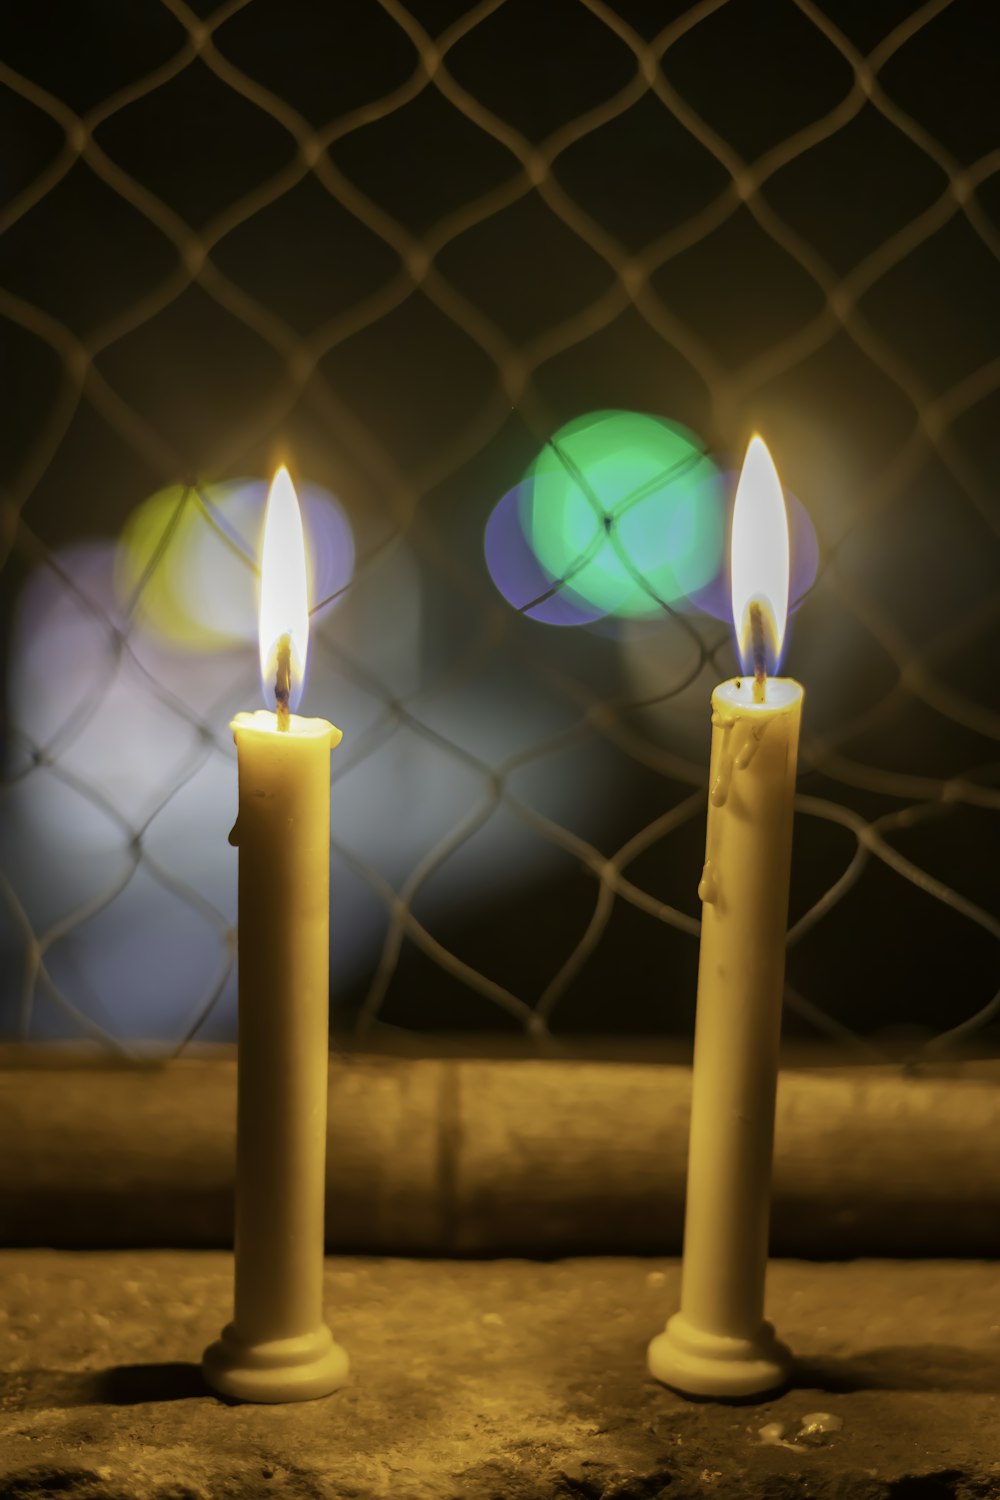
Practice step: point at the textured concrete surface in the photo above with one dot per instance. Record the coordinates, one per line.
(496, 1379)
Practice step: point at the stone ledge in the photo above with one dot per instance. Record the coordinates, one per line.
(481, 1156)
(502, 1380)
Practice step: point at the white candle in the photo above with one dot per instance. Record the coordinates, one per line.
(278, 1347)
(719, 1343)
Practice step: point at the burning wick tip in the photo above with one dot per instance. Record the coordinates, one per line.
(759, 654)
(283, 682)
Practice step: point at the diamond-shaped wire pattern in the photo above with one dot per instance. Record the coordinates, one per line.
(404, 243)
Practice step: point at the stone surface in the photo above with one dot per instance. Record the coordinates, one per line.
(494, 1379)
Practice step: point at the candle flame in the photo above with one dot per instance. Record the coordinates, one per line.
(759, 561)
(284, 592)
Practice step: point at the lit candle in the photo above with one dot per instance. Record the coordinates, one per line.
(719, 1344)
(277, 1347)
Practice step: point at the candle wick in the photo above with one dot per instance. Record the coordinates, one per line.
(759, 654)
(283, 682)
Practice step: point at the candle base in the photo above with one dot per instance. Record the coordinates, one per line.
(297, 1369)
(709, 1364)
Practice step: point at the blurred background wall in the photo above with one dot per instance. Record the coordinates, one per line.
(402, 247)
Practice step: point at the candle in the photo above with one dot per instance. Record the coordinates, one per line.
(277, 1347)
(719, 1343)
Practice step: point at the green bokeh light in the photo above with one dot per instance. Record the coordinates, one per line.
(625, 507)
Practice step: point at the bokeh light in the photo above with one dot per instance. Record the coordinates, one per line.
(189, 560)
(114, 825)
(625, 508)
(516, 571)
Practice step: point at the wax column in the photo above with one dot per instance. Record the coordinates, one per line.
(277, 1347)
(719, 1344)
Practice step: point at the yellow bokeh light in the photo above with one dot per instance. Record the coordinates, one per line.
(188, 582)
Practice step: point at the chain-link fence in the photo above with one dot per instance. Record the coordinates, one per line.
(402, 246)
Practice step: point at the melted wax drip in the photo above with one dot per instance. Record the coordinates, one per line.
(732, 757)
(817, 1426)
(814, 1430)
(750, 746)
(724, 775)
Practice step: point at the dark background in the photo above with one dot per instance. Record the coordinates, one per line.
(405, 244)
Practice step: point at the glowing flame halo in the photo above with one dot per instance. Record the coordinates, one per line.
(759, 555)
(284, 588)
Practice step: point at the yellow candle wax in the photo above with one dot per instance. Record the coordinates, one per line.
(278, 1347)
(719, 1343)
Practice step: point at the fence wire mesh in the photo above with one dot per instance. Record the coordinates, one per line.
(403, 244)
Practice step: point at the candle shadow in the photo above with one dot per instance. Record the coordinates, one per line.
(904, 1367)
(118, 1385)
(130, 1385)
